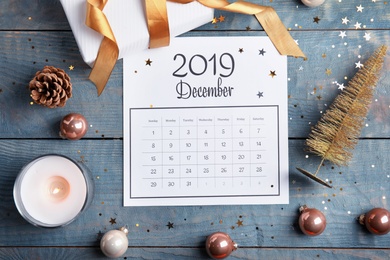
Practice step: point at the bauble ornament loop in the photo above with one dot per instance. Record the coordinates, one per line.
(313, 3)
(377, 221)
(73, 126)
(312, 222)
(114, 243)
(219, 245)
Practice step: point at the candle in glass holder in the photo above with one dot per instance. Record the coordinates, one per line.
(52, 190)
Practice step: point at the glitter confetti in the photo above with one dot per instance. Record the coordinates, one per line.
(342, 34)
(358, 65)
(359, 8)
(344, 20)
(221, 18)
(357, 25)
(169, 225)
(367, 36)
(262, 52)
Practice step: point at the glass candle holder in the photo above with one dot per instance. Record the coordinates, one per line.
(52, 190)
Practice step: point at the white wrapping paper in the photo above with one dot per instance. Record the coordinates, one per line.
(128, 22)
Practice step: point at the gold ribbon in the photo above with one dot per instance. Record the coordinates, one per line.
(108, 50)
(157, 19)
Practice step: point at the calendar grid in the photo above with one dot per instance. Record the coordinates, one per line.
(179, 151)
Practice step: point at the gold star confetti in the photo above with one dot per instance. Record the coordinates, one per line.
(272, 73)
(328, 72)
(247, 28)
(148, 62)
(323, 55)
(112, 221)
(214, 21)
(319, 97)
(221, 18)
(239, 223)
(316, 19)
(71, 67)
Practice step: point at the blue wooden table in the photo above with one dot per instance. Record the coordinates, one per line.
(334, 36)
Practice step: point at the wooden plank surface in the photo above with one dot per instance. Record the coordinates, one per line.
(311, 90)
(356, 188)
(196, 253)
(36, 33)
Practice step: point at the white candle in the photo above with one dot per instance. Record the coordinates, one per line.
(52, 190)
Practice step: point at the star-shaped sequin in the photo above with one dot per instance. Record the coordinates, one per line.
(221, 18)
(113, 221)
(359, 8)
(328, 72)
(357, 25)
(214, 20)
(260, 94)
(99, 235)
(344, 20)
(316, 19)
(241, 50)
(71, 67)
(341, 86)
(262, 52)
(148, 62)
(343, 34)
(169, 225)
(239, 223)
(358, 65)
(367, 36)
(272, 73)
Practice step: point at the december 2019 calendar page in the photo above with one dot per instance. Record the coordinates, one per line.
(205, 123)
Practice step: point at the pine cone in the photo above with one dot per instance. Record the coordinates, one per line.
(51, 87)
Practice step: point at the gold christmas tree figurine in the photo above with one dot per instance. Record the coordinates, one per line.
(335, 135)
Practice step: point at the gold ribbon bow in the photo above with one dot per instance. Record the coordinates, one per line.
(157, 18)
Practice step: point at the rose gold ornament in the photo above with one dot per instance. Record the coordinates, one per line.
(311, 221)
(73, 126)
(377, 221)
(219, 245)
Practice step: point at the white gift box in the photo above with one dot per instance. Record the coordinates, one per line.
(128, 22)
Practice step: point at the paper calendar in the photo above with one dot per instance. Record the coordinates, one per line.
(205, 123)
